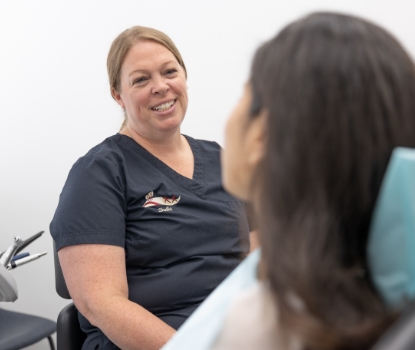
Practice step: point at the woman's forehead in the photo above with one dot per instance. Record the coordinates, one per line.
(146, 55)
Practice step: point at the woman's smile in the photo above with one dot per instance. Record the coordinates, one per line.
(164, 106)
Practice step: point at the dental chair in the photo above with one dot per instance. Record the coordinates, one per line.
(391, 248)
(18, 330)
(69, 334)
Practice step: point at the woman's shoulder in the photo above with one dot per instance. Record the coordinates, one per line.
(251, 322)
(109, 149)
(108, 146)
(108, 154)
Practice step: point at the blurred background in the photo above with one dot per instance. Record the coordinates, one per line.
(55, 102)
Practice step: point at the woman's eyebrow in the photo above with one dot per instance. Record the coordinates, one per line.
(169, 62)
(137, 71)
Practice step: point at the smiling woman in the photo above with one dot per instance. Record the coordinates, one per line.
(144, 228)
(153, 92)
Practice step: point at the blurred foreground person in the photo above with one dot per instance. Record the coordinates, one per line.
(327, 101)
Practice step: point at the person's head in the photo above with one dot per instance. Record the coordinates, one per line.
(148, 51)
(327, 101)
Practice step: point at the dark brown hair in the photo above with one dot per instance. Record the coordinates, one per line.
(340, 93)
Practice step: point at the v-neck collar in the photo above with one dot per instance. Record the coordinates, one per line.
(195, 185)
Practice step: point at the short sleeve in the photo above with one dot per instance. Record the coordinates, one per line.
(92, 205)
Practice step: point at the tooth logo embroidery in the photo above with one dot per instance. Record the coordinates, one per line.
(158, 201)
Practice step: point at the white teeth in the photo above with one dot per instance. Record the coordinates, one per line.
(164, 106)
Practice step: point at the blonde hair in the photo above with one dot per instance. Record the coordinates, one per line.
(122, 45)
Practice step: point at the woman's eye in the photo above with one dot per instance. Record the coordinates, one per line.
(171, 71)
(140, 80)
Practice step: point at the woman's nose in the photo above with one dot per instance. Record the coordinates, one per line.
(160, 86)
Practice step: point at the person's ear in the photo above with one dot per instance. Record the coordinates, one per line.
(117, 97)
(256, 139)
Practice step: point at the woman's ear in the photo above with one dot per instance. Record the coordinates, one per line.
(256, 139)
(117, 97)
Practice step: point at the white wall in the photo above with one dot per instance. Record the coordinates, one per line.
(55, 102)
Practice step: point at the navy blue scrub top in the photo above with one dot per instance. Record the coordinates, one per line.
(181, 236)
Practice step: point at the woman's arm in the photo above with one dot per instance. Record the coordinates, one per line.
(96, 278)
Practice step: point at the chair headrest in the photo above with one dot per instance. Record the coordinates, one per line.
(391, 242)
(60, 283)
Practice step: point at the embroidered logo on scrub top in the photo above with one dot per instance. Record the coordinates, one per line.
(152, 201)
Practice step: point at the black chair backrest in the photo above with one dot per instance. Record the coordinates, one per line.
(401, 335)
(60, 283)
(69, 333)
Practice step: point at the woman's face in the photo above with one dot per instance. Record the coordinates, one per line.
(244, 147)
(153, 91)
